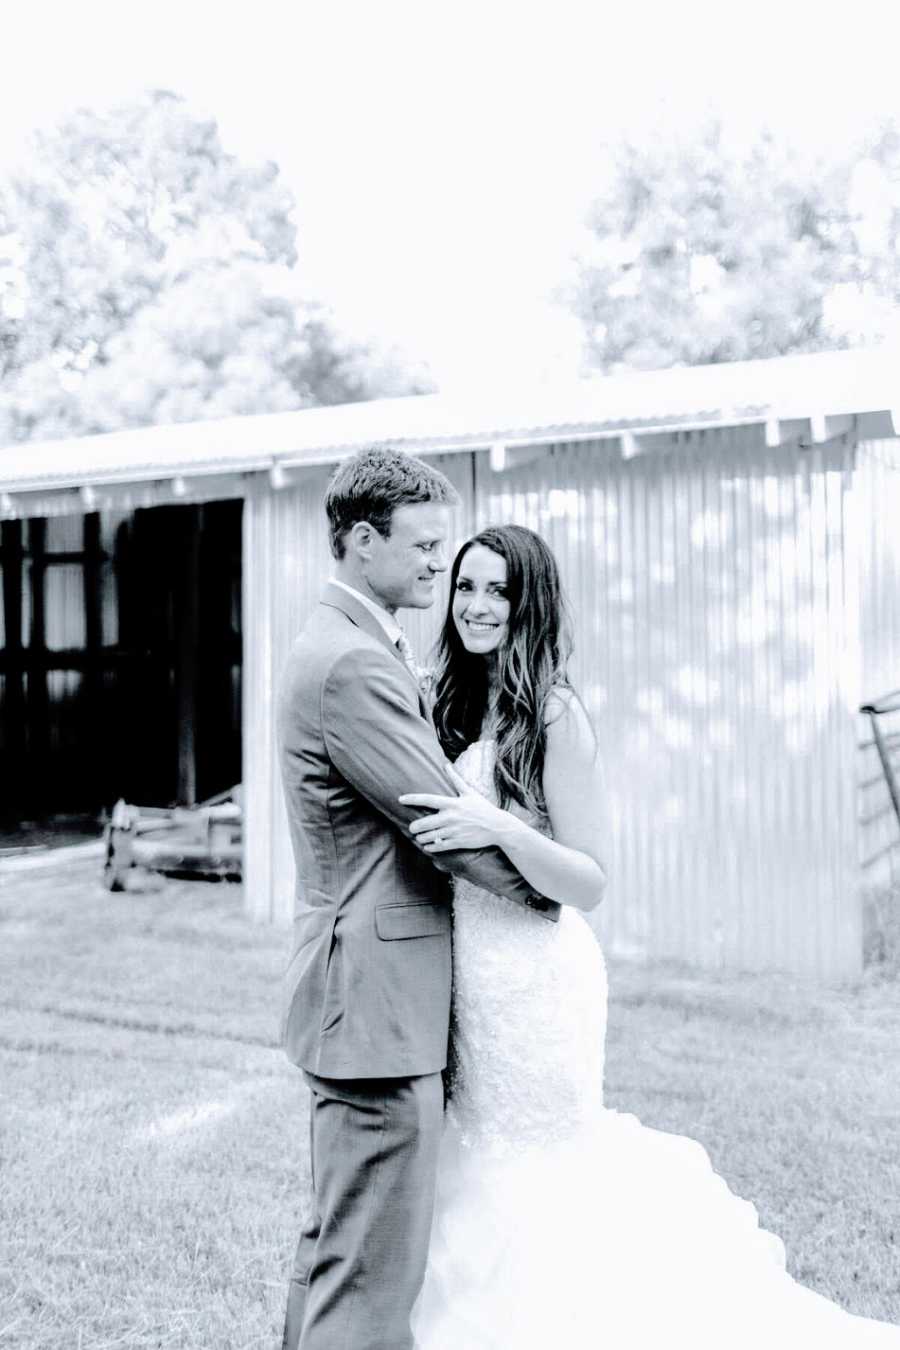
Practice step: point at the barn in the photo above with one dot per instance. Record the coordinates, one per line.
(730, 540)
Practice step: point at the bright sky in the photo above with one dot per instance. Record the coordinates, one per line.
(442, 154)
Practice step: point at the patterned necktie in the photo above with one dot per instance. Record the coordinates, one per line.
(409, 659)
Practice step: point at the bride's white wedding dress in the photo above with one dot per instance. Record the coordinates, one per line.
(559, 1224)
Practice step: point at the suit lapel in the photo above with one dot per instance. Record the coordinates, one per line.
(356, 612)
(337, 598)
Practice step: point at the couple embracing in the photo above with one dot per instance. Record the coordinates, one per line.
(447, 830)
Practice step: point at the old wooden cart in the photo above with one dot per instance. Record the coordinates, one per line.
(204, 840)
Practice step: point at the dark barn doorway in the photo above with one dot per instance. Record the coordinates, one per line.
(120, 661)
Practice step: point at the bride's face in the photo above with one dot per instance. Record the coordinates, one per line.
(480, 601)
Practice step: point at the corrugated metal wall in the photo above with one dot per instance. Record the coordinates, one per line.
(712, 614)
(878, 505)
(285, 559)
(716, 622)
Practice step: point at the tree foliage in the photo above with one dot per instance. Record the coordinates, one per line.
(146, 275)
(704, 252)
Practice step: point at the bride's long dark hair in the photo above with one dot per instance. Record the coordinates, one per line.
(531, 663)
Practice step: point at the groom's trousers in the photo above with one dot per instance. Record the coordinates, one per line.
(361, 1258)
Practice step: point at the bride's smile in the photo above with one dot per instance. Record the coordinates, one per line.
(480, 603)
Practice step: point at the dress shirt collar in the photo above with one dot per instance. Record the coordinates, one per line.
(387, 621)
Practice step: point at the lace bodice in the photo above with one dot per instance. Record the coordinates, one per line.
(529, 1009)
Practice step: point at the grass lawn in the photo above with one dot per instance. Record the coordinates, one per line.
(153, 1168)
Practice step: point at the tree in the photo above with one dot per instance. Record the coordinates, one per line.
(704, 253)
(146, 275)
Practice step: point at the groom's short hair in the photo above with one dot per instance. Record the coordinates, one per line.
(372, 484)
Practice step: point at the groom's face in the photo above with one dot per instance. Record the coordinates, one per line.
(402, 568)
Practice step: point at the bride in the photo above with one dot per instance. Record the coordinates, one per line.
(560, 1223)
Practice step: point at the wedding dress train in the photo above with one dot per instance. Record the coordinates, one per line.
(560, 1224)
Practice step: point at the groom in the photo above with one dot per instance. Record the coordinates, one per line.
(368, 985)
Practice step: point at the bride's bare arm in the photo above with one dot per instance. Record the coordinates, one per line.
(570, 867)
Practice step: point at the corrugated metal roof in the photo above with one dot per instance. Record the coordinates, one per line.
(785, 388)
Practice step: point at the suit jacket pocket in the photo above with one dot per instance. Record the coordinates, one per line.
(421, 919)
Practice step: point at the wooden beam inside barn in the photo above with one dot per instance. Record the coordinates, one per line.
(187, 620)
(37, 695)
(92, 686)
(11, 555)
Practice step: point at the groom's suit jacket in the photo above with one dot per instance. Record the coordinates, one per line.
(368, 985)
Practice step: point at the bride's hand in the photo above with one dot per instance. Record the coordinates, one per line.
(467, 821)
